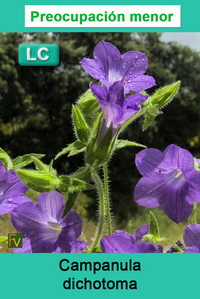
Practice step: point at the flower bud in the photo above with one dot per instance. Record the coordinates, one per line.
(39, 181)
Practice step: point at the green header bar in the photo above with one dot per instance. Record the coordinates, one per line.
(12, 15)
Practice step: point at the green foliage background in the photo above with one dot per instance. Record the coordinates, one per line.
(35, 104)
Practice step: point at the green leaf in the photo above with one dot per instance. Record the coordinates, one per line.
(154, 229)
(67, 184)
(160, 99)
(25, 160)
(92, 140)
(149, 238)
(89, 107)
(99, 152)
(44, 167)
(51, 169)
(77, 150)
(150, 115)
(88, 102)
(40, 165)
(3, 240)
(163, 96)
(72, 197)
(5, 158)
(39, 181)
(81, 127)
(124, 143)
(73, 149)
(83, 173)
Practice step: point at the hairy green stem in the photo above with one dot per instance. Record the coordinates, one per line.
(107, 199)
(101, 223)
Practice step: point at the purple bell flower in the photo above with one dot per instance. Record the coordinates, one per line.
(169, 181)
(109, 66)
(192, 238)
(116, 108)
(123, 242)
(44, 229)
(12, 190)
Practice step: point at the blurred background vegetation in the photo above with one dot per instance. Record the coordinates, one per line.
(35, 111)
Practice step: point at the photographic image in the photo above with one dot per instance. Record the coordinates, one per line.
(101, 152)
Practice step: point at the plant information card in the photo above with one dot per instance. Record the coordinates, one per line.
(99, 149)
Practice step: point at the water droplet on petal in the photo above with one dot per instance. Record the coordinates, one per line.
(124, 65)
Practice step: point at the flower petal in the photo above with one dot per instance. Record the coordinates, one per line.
(26, 215)
(115, 244)
(143, 247)
(93, 68)
(10, 203)
(173, 199)
(100, 93)
(108, 56)
(193, 179)
(116, 93)
(26, 247)
(134, 101)
(150, 161)
(167, 191)
(123, 234)
(113, 113)
(133, 64)
(126, 115)
(44, 242)
(121, 244)
(178, 158)
(78, 246)
(192, 249)
(11, 185)
(140, 83)
(2, 172)
(192, 235)
(29, 220)
(72, 226)
(141, 232)
(51, 204)
(144, 193)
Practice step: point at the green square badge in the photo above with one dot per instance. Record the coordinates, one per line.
(15, 240)
(39, 55)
